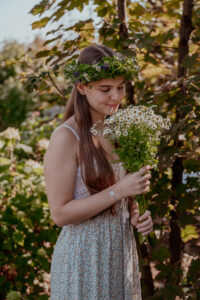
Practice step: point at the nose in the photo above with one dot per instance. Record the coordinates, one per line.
(115, 95)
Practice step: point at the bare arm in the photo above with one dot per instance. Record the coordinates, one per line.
(60, 167)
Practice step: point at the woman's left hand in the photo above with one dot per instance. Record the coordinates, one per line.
(144, 223)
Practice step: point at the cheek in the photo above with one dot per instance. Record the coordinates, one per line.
(123, 92)
(95, 99)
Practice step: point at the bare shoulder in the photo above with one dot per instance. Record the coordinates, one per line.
(60, 168)
(72, 123)
(63, 144)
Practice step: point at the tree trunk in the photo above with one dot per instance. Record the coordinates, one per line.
(123, 33)
(175, 241)
(146, 277)
(121, 9)
(185, 31)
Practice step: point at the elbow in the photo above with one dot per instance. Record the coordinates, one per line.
(62, 217)
(57, 222)
(57, 219)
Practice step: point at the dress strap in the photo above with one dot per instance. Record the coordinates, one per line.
(72, 129)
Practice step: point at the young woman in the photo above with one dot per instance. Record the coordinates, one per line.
(95, 255)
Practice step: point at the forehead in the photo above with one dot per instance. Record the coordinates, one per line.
(109, 81)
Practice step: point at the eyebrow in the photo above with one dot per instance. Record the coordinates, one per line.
(107, 85)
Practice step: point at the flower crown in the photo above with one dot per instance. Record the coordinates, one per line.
(108, 67)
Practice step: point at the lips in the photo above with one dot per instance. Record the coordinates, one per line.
(112, 106)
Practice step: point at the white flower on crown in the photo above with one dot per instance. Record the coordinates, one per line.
(98, 68)
(86, 76)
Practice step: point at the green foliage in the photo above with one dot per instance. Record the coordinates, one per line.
(27, 233)
(13, 296)
(14, 100)
(153, 36)
(39, 24)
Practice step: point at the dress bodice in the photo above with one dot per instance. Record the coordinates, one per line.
(81, 190)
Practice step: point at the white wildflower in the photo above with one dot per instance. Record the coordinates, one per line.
(33, 164)
(107, 131)
(86, 76)
(128, 118)
(118, 132)
(98, 68)
(93, 131)
(24, 147)
(137, 120)
(125, 132)
(107, 122)
(1, 144)
(43, 144)
(121, 119)
(11, 133)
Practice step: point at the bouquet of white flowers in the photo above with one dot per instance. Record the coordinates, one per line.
(137, 132)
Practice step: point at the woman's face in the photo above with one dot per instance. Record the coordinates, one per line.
(104, 96)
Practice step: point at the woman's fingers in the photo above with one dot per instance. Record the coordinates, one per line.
(145, 229)
(145, 215)
(144, 170)
(134, 216)
(145, 223)
(147, 232)
(146, 177)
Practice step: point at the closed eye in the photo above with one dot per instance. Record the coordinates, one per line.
(107, 90)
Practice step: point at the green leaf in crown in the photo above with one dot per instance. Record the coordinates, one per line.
(108, 67)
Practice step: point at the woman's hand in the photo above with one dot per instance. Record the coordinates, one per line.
(144, 223)
(134, 184)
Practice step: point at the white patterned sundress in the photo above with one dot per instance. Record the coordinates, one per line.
(97, 258)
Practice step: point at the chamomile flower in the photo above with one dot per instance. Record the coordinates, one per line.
(121, 119)
(93, 131)
(128, 118)
(118, 133)
(107, 131)
(125, 132)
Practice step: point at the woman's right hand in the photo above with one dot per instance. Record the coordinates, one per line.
(136, 183)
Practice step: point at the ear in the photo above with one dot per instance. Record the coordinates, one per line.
(81, 88)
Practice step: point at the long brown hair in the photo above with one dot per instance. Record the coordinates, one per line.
(101, 176)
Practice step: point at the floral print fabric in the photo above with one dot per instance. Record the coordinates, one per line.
(96, 259)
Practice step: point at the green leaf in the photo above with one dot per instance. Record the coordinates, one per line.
(194, 270)
(188, 233)
(13, 295)
(41, 23)
(190, 61)
(192, 165)
(39, 8)
(43, 53)
(53, 40)
(160, 254)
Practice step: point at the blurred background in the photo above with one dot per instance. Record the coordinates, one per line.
(37, 38)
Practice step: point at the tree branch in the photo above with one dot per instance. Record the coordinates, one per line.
(56, 87)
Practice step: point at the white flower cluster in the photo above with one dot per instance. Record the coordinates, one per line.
(118, 124)
(11, 133)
